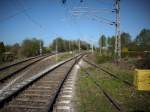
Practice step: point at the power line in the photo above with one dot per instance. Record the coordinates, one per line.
(75, 23)
(99, 20)
(105, 2)
(92, 16)
(87, 10)
(22, 6)
(107, 21)
(13, 15)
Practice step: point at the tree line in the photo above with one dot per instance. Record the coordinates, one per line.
(68, 45)
(128, 45)
(31, 47)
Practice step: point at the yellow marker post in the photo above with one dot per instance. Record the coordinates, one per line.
(142, 79)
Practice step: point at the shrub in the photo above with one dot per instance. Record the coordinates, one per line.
(143, 63)
(102, 58)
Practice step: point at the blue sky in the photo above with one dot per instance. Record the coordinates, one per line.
(47, 19)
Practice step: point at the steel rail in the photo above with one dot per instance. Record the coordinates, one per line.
(110, 99)
(19, 62)
(3, 79)
(111, 74)
(25, 84)
(51, 105)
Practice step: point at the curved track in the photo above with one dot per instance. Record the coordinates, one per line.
(38, 93)
(19, 62)
(11, 70)
(109, 73)
(115, 104)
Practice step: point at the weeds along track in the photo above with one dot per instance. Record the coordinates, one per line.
(108, 72)
(38, 93)
(109, 98)
(11, 70)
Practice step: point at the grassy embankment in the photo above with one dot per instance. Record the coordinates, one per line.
(91, 99)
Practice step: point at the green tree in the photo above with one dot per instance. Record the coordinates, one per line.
(111, 44)
(74, 45)
(15, 49)
(60, 44)
(143, 39)
(46, 50)
(31, 47)
(125, 39)
(102, 43)
(84, 45)
(2, 50)
(2, 47)
(67, 45)
(7, 48)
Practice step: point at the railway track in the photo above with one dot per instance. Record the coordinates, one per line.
(38, 93)
(16, 63)
(11, 70)
(109, 73)
(115, 104)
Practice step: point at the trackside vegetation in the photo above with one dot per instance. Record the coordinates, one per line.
(91, 99)
(31, 47)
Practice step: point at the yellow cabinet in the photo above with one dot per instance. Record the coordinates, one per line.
(142, 79)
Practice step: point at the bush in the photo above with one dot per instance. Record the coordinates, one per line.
(102, 59)
(143, 63)
(31, 47)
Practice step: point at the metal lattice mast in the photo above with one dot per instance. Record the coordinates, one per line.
(117, 25)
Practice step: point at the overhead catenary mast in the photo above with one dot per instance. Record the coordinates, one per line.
(104, 20)
(117, 25)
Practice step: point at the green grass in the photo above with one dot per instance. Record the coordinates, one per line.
(102, 58)
(120, 72)
(64, 56)
(92, 100)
